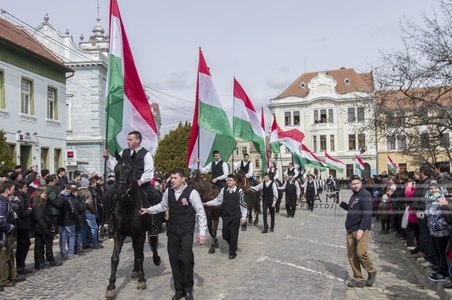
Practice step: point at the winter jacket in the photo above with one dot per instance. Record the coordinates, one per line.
(52, 210)
(437, 224)
(359, 209)
(383, 209)
(24, 213)
(41, 218)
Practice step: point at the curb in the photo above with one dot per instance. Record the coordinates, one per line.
(443, 293)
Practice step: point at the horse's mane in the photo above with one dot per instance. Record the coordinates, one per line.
(207, 191)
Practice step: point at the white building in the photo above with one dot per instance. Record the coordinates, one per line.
(330, 108)
(84, 98)
(32, 99)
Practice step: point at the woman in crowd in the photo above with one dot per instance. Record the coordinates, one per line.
(42, 230)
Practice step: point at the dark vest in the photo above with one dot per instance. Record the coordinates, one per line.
(291, 188)
(245, 168)
(267, 192)
(181, 213)
(217, 169)
(231, 203)
(138, 162)
(310, 187)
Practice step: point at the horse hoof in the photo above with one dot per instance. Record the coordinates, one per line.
(243, 228)
(157, 261)
(250, 221)
(255, 222)
(110, 294)
(211, 250)
(141, 285)
(135, 274)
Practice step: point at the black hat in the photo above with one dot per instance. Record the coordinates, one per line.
(44, 172)
(14, 175)
(433, 183)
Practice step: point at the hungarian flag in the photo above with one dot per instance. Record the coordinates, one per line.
(274, 138)
(392, 167)
(291, 139)
(334, 164)
(267, 151)
(245, 122)
(307, 158)
(127, 107)
(359, 164)
(210, 129)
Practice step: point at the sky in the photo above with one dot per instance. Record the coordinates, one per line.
(265, 44)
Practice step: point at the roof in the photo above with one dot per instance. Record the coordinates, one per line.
(19, 37)
(358, 82)
(414, 97)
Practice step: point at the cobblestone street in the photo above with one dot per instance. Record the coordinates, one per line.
(305, 258)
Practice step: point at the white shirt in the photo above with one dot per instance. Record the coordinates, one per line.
(148, 173)
(237, 166)
(276, 173)
(195, 201)
(286, 173)
(260, 186)
(306, 183)
(208, 169)
(219, 200)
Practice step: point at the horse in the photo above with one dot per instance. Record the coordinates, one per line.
(127, 200)
(252, 199)
(208, 191)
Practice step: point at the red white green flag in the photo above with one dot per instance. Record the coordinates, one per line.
(334, 164)
(211, 129)
(126, 106)
(274, 138)
(307, 158)
(392, 167)
(245, 122)
(359, 164)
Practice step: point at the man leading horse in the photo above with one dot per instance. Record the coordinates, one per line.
(144, 172)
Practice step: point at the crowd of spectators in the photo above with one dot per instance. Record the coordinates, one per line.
(45, 207)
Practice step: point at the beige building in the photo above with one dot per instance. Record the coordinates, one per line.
(330, 108)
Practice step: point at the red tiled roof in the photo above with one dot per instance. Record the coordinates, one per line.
(21, 38)
(358, 82)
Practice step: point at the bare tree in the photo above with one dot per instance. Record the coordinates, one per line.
(413, 106)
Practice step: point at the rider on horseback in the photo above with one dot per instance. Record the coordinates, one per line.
(246, 166)
(218, 168)
(144, 167)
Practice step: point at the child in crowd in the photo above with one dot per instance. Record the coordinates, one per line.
(383, 210)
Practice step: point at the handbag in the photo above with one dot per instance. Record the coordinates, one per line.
(405, 218)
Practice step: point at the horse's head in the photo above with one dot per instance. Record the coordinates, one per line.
(207, 191)
(124, 173)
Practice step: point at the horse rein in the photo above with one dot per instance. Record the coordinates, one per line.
(127, 192)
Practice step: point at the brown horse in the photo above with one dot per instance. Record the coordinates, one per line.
(252, 199)
(208, 191)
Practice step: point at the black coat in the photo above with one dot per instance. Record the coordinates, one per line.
(24, 214)
(41, 218)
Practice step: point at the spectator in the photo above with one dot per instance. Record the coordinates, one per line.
(89, 222)
(23, 226)
(383, 210)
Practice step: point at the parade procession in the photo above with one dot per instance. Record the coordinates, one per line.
(222, 151)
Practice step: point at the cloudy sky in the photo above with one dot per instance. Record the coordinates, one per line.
(265, 44)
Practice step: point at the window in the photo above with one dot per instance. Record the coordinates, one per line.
(2, 90)
(56, 160)
(287, 118)
(52, 104)
(332, 143)
(316, 116)
(390, 142)
(401, 118)
(351, 142)
(323, 143)
(44, 158)
(68, 112)
(401, 142)
(445, 141)
(351, 115)
(424, 140)
(27, 97)
(349, 170)
(237, 151)
(257, 163)
(361, 141)
(323, 117)
(360, 114)
(330, 115)
(11, 150)
(314, 143)
(244, 150)
(296, 118)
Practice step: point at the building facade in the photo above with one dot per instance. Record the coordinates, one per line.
(330, 108)
(32, 99)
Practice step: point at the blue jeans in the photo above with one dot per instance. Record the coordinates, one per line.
(427, 239)
(78, 239)
(90, 221)
(67, 233)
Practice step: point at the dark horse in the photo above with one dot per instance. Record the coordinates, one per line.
(252, 199)
(208, 191)
(127, 201)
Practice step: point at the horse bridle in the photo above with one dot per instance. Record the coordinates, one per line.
(127, 194)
